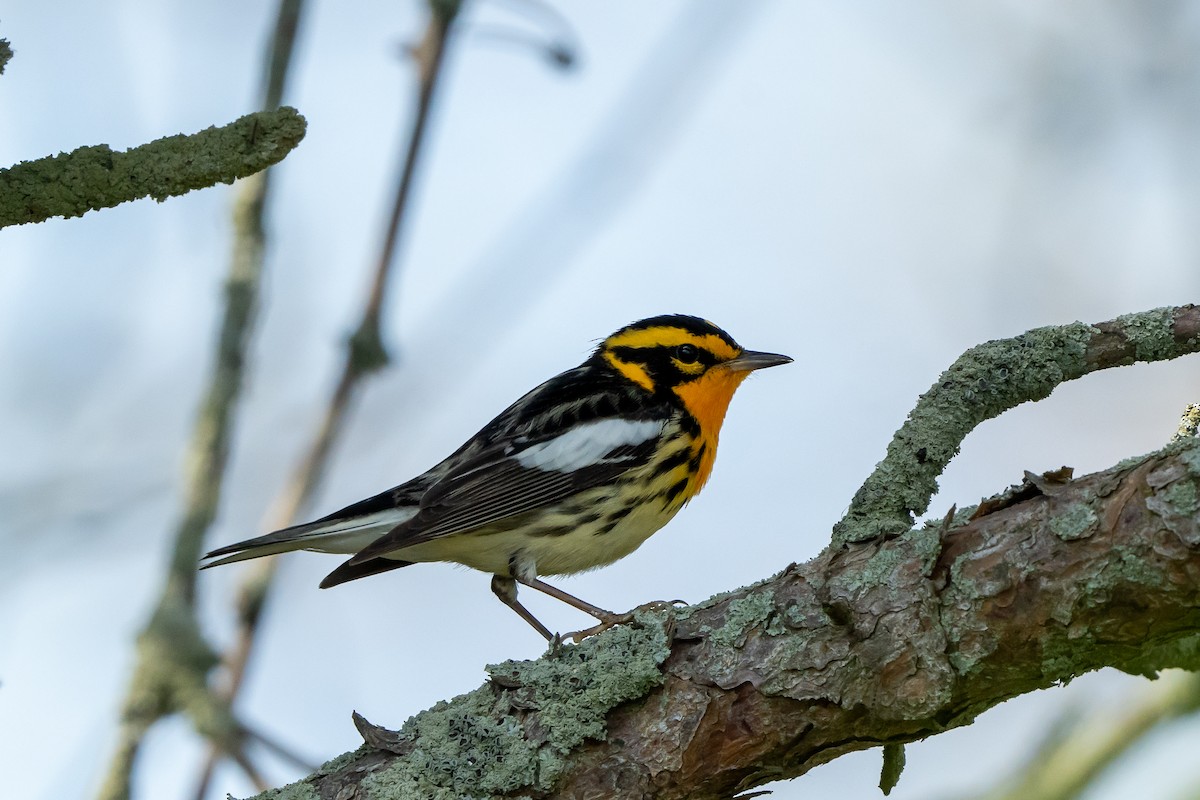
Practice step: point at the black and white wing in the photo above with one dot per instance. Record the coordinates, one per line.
(516, 478)
(580, 429)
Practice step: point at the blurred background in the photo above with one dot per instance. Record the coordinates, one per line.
(870, 187)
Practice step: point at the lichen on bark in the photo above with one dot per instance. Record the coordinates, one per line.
(95, 177)
(880, 643)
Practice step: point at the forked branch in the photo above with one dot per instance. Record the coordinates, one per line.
(878, 642)
(988, 380)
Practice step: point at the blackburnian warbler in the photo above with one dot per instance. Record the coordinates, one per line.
(574, 475)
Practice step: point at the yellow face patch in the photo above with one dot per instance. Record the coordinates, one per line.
(667, 336)
(634, 372)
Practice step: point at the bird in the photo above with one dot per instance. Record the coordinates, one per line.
(575, 475)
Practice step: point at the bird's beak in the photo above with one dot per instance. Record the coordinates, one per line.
(751, 360)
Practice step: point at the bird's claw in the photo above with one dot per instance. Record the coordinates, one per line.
(604, 624)
(660, 605)
(622, 619)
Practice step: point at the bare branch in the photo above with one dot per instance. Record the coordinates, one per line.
(880, 643)
(173, 658)
(985, 382)
(365, 353)
(366, 346)
(91, 178)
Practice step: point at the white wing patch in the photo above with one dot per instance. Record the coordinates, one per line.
(588, 444)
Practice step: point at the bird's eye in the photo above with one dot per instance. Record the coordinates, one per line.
(687, 353)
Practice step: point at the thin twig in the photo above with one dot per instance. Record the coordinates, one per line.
(279, 749)
(120, 771)
(173, 659)
(365, 354)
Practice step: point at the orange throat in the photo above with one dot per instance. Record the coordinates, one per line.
(707, 399)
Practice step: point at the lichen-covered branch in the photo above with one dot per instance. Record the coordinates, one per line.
(878, 643)
(6, 54)
(95, 177)
(1080, 747)
(986, 381)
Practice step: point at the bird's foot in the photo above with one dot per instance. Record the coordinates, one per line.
(605, 624)
(659, 605)
(613, 620)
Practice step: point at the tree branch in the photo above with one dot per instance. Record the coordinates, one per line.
(1079, 748)
(6, 54)
(173, 659)
(881, 643)
(986, 381)
(91, 178)
(365, 353)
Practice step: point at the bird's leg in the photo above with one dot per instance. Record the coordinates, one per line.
(607, 618)
(571, 600)
(623, 619)
(524, 571)
(506, 590)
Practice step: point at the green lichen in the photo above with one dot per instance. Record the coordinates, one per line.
(983, 383)
(95, 177)
(923, 543)
(575, 689)
(963, 515)
(1151, 333)
(466, 748)
(1177, 502)
(1131, 568)
(1132, 462)
(927, 542)
(300, 790)
(1189, 454)
(741, 615)
(1077, 521)
(685, 612)
(1064, 660)
(1181, 495)
(475, 747)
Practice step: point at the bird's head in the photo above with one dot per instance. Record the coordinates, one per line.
(686, 360)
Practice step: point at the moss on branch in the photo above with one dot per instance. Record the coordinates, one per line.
(988, 380)
(875, 644)
(95, 177)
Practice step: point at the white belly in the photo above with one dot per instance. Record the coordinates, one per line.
(555, 546)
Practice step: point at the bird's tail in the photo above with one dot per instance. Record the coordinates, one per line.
(337, 535)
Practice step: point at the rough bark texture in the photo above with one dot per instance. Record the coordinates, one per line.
(886, 641)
